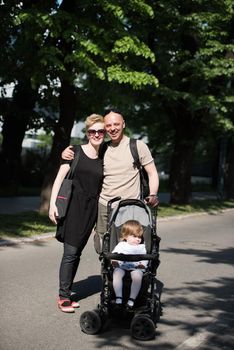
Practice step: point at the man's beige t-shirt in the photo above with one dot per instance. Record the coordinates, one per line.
(120, 177)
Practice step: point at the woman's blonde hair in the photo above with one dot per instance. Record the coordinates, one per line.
(92, 119)
(131, 227)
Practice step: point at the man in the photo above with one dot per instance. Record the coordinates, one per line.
(121, 179)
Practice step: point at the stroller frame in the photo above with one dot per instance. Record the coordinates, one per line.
(143, 320)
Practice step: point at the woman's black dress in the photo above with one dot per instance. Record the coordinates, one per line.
(81, 216)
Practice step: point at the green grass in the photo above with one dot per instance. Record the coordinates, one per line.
(24, 225)
(32, 223)
(207, 206)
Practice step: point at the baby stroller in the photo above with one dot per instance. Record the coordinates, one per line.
(142, 321)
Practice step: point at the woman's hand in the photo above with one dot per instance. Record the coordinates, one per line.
(53, 214)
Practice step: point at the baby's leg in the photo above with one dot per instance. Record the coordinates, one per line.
(136, 276)
(118, 275)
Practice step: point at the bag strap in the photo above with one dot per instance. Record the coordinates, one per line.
(137, 164)
(135, 155)
(74, 162)
(133, 149)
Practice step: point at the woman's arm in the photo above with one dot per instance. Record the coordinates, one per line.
(53, 211)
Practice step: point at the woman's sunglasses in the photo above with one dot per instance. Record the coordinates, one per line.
(92, 132)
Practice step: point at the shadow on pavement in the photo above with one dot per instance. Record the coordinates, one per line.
(212, 297)
(87, 287)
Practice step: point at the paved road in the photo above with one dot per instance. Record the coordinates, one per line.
(196, 272)
(21, 204)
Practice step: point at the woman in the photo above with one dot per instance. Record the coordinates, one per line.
(82, 211)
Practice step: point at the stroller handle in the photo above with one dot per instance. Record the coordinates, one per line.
(109, 205)
(115, 199)
(131, 257)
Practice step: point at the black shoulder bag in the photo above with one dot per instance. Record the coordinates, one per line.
(65, 191)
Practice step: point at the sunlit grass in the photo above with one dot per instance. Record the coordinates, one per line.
(24, 224)
(195, 207)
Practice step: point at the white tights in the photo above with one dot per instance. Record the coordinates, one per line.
(136, 276)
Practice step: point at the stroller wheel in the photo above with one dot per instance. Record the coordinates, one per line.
(142, 327)
(90, 322)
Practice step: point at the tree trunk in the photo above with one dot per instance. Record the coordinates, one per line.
(186, 136)
(14, 127)
(60, 141)
(181, 171)
(67, 104)
(229, 171)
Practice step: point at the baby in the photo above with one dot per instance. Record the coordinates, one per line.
(131, 235)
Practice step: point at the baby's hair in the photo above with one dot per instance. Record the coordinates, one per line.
(131, 227)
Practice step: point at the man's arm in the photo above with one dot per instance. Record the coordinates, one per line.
(151, 170)
(68, 153)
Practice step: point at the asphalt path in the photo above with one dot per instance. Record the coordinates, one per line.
(195, 275)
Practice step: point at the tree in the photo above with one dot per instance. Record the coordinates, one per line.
(191, 40)
(79, 40)
(229, 185)
(17, 66)
(16, 121)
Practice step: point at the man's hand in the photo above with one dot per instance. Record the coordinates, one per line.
(152, 200)
(68, 153)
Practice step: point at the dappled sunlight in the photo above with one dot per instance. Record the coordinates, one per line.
(207, 302)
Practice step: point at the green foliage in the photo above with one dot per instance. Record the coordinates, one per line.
(141, 8)
(75, 39)
(114, 9)
(46, 140)
(133, 45)
(193, 45)
(135, 79)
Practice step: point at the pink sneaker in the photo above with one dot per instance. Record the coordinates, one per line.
(75, 304)
(65, 305)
